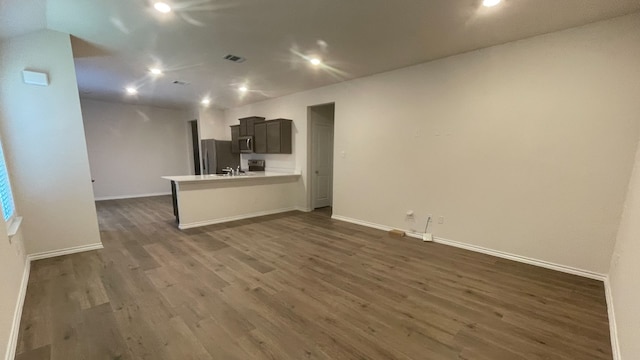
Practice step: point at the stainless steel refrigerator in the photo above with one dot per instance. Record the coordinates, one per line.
(217, 155)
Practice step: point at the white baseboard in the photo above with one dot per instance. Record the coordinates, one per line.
(17, 315)
(483, 250)
(119, 197)
(303, 209)
(613, 328)
(523, 259)
(361, 222)
(67, 251)
(234, 218)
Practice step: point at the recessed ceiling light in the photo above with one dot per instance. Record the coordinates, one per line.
(205, 101)
(315, 61)
(162, 7)
(490, 3)
(131, 90)
(243, 89)
(155, 71)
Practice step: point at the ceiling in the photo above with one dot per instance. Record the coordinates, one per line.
(19, 17)
(116, 41)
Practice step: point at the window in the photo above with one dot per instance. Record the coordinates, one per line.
(8, 207)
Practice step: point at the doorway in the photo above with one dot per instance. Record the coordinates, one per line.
(321, 128)
(195, 146)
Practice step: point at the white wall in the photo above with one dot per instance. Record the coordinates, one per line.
(624, 271)
(131, 147)
(45, 145)
(212, 124)
(524, 148)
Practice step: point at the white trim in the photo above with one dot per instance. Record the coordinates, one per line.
(234, 218)
(523, 259)
(17, 315)
(303, 209)
(483, 250)
(613, 327)
(361, 222)
(14, 226)
(67, 251)
(118, 197)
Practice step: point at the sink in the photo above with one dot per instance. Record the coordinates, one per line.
(229, 176)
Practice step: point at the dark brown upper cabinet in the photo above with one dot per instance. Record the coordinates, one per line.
(260, 138)
(269, 137)
(235, 136)
(279, 136)
(247, 125)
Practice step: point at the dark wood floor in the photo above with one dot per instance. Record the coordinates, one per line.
(297, 286)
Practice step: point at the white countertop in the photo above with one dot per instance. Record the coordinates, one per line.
(249, 175)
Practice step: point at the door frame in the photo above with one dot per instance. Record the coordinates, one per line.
(310, 153)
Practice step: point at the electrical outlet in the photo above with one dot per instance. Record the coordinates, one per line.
(441, 220)
(410, 218)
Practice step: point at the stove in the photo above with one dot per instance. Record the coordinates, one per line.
(256, 165)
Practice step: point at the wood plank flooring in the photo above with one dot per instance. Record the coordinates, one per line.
(297, 286)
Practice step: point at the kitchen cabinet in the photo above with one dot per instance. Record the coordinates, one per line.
(247, 125)
(279, 136)
(235, 136)
(269, 137)
(260, 138)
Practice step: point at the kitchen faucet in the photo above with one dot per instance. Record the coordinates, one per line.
(228, 170)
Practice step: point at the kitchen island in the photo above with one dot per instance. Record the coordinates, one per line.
(202, 200)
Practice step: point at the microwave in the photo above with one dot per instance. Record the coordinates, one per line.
(246, 144)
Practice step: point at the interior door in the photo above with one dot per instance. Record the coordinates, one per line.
(322, 147)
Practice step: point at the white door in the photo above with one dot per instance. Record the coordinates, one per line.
(322, 167)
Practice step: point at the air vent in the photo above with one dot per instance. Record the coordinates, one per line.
(235, 58)
(178, 82)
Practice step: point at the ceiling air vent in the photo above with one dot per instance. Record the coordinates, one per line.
(235, 58)
(178, 82)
